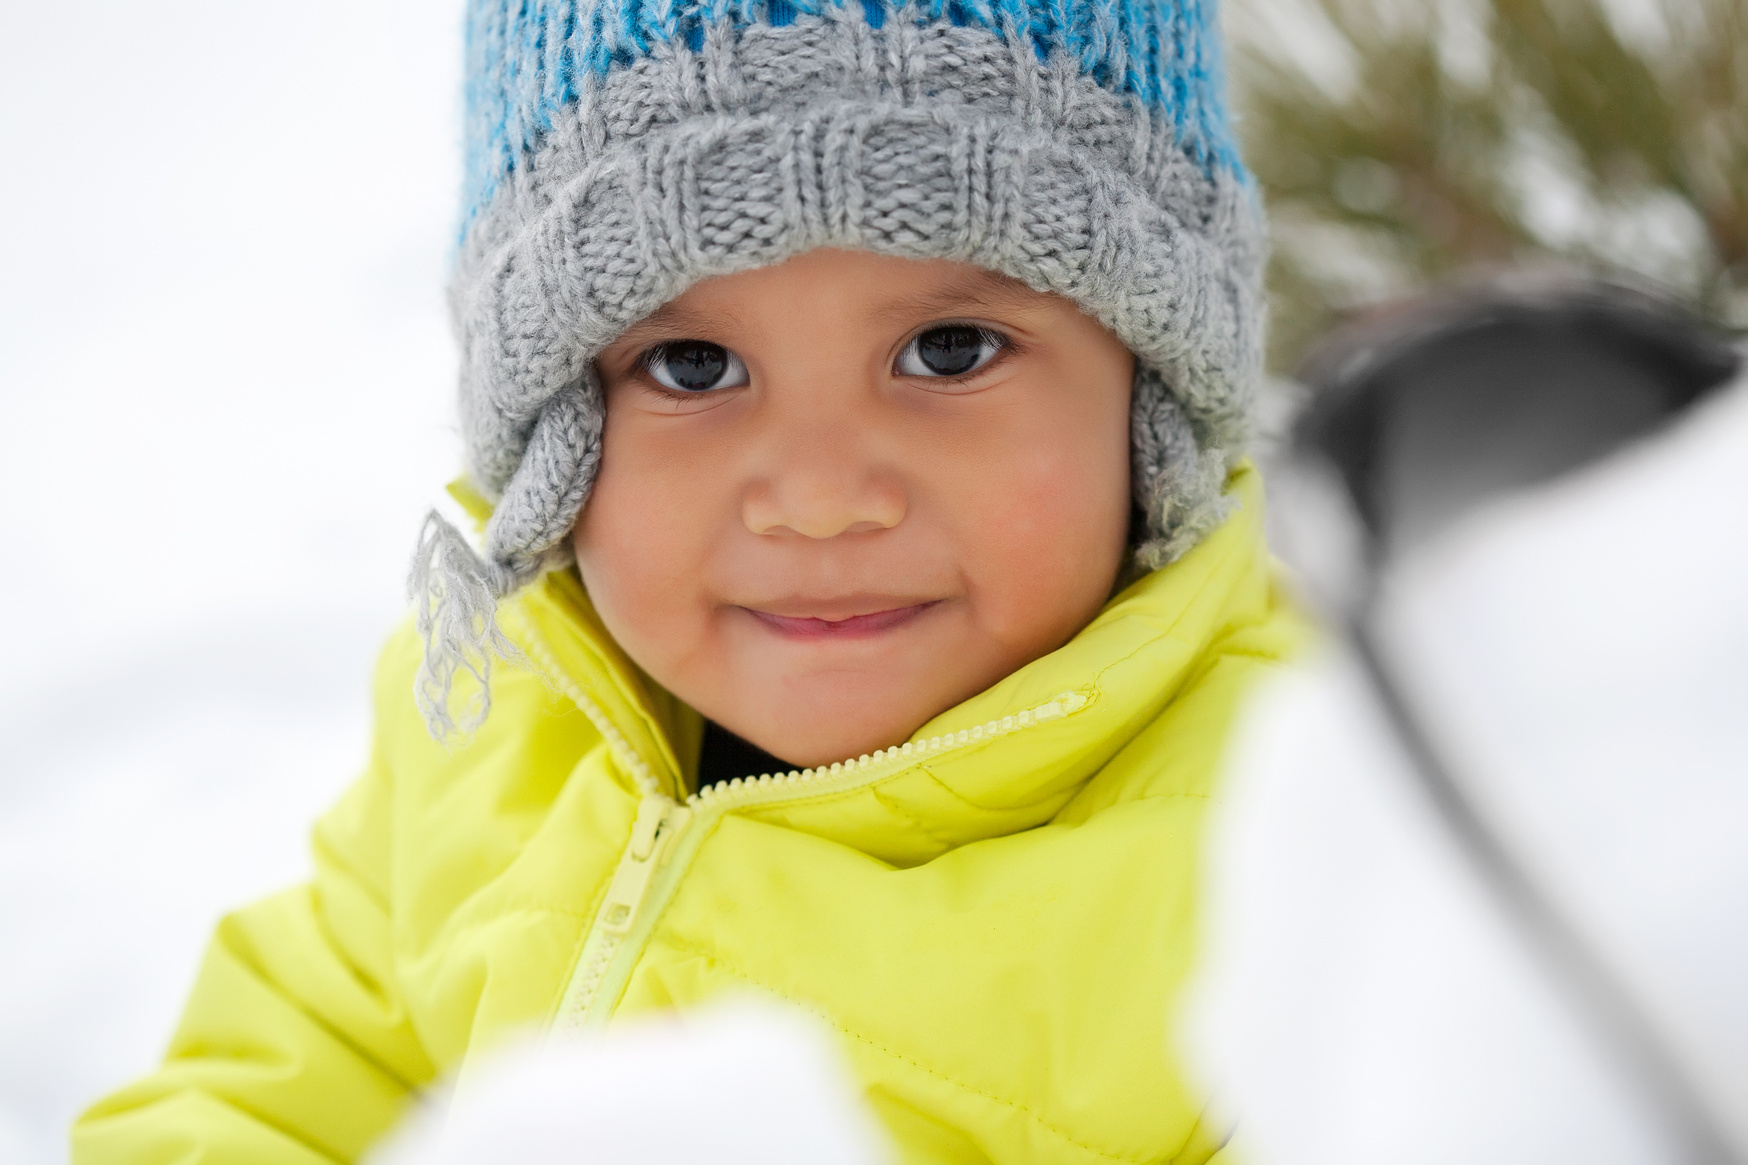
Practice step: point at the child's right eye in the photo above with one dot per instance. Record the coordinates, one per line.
(694, 366)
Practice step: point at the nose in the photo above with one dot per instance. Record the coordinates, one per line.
(819, 489)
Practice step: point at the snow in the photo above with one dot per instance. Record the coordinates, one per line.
(747, 1081)
(225, 377)
(1577, 652)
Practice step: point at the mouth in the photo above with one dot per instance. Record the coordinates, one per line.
(850, 627)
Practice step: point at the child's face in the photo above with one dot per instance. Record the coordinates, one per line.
(840, 495)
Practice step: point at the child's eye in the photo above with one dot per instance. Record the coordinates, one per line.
(694, 366)
(951, 350)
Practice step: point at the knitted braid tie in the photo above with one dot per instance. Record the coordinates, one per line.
(619, 154)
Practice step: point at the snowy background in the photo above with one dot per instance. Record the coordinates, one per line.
(225, 374)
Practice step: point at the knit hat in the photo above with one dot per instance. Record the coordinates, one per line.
(618, 151)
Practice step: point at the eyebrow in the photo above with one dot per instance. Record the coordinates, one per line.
(976, 288)
(673, 318)
(968, 289)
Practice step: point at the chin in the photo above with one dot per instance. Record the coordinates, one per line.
(808, 750)
(824, 732)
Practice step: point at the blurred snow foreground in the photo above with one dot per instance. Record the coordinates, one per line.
(739, 1084)
(1580, 650)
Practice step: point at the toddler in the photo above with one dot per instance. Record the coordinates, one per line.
(854, 398)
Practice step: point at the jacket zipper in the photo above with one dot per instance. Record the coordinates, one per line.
(659, 821)
(662, 821)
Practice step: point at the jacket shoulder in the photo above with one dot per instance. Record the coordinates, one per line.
(529, 723)
(1181, 754)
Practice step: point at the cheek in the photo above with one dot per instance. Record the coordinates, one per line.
(639, 544)
(1044, 526)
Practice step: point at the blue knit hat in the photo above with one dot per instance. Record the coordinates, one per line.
(620, 150)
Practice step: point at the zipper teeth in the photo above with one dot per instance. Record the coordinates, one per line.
(628, 757)
(740, 788)
(585, 982)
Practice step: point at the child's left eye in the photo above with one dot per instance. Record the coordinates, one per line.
(949, 351)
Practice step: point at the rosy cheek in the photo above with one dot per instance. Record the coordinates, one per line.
(641, 545)
(621, 559)
(1039, 536)
(1024, 539)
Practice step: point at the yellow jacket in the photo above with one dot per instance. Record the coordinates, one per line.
(996, 916)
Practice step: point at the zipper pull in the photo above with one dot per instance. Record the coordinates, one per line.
(658, 819)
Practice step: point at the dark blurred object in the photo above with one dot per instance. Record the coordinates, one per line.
(1402, 143)
(1423, 413)
(1429, 408)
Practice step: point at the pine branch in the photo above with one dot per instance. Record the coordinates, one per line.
(1400, 142)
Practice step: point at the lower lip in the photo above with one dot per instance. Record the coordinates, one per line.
(855, 627)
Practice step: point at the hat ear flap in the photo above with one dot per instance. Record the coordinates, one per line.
(541, 501)
(455, 590)
(1179, 483)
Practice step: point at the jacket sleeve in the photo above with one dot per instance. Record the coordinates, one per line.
(295, 1046)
